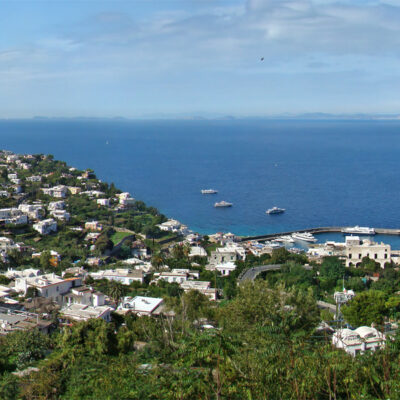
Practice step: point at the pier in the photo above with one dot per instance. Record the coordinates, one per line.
(329, 229)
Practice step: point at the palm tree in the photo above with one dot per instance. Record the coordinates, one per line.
(157, 260)
(116, 291)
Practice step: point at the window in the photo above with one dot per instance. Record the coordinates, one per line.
(349, 255)
(385, 256)
(376, 256)
(359, 256)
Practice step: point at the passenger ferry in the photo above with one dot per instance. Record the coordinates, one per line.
(209, 191)
(358, 230)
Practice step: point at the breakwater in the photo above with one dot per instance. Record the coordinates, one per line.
(329, 229)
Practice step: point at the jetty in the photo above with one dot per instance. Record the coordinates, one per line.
(329, 229)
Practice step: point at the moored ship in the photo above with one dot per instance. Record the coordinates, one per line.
(304, 236)
(358, 230)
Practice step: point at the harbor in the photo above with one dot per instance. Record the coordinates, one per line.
(315, 231)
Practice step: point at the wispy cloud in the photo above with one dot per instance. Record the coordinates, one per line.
(217, 46)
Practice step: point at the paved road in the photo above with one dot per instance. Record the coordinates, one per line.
(252, 273)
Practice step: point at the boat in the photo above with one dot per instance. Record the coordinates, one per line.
(284, 239)
(275, 210)
(223, 203)
(209, 191)
(358, 230)
(304, 237)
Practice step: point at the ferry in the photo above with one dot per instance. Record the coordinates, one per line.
(223, 203)
(209, 191)
(275, 210)
(304, 236)
(358, 230)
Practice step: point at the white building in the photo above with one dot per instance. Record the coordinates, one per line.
(62, 215)
(230, 253)
(103, 202)
(358, 341)
(32, 211)
(34, 178)
(124, 275)
(203, 287)
(176, 275)
(59, 191)
(125, 199)
(225, 268)
(49, 285)
(12, 216)
(172, 225)
(56, 205)
(142, 305)
(46, 226)
(81, 312)
(26, 273)
(197, 251)
(357, 249)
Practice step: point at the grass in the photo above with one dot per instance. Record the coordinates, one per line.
(118, 236)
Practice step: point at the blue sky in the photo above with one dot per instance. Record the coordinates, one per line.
(185, 58)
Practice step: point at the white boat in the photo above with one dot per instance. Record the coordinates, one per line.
(284, 239)
(209, 191)
(359, 230)
(223, 203)
(273, 245)
(275, 210)
(304, 236)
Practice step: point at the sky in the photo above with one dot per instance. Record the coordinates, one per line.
(185, 58)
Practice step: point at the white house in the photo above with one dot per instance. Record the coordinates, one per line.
(12, 216)
(203, 287)
(32, 211)
(49, 285)
(225, 268)
(62, 215)
(59, 191)
(81, 312)
(103, 202)
(56, 205)
(142, 305)
(358, 341)
(124, 275)
(46, 226)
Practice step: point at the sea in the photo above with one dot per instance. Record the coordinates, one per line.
(323, 172)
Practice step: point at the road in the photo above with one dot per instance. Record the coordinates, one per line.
(252, 273)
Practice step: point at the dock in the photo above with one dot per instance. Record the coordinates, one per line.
(329, 229)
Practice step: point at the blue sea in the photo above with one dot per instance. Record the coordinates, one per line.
(323, 173)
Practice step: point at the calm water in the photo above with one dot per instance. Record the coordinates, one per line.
(323, 172)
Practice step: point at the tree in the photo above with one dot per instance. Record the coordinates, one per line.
(45, 260)
(27, 346)
(157, 260)
(366, 308)
(116, 290)
(257, 305)
(369, 265)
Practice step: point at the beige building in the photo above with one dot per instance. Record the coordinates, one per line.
(357, 249)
